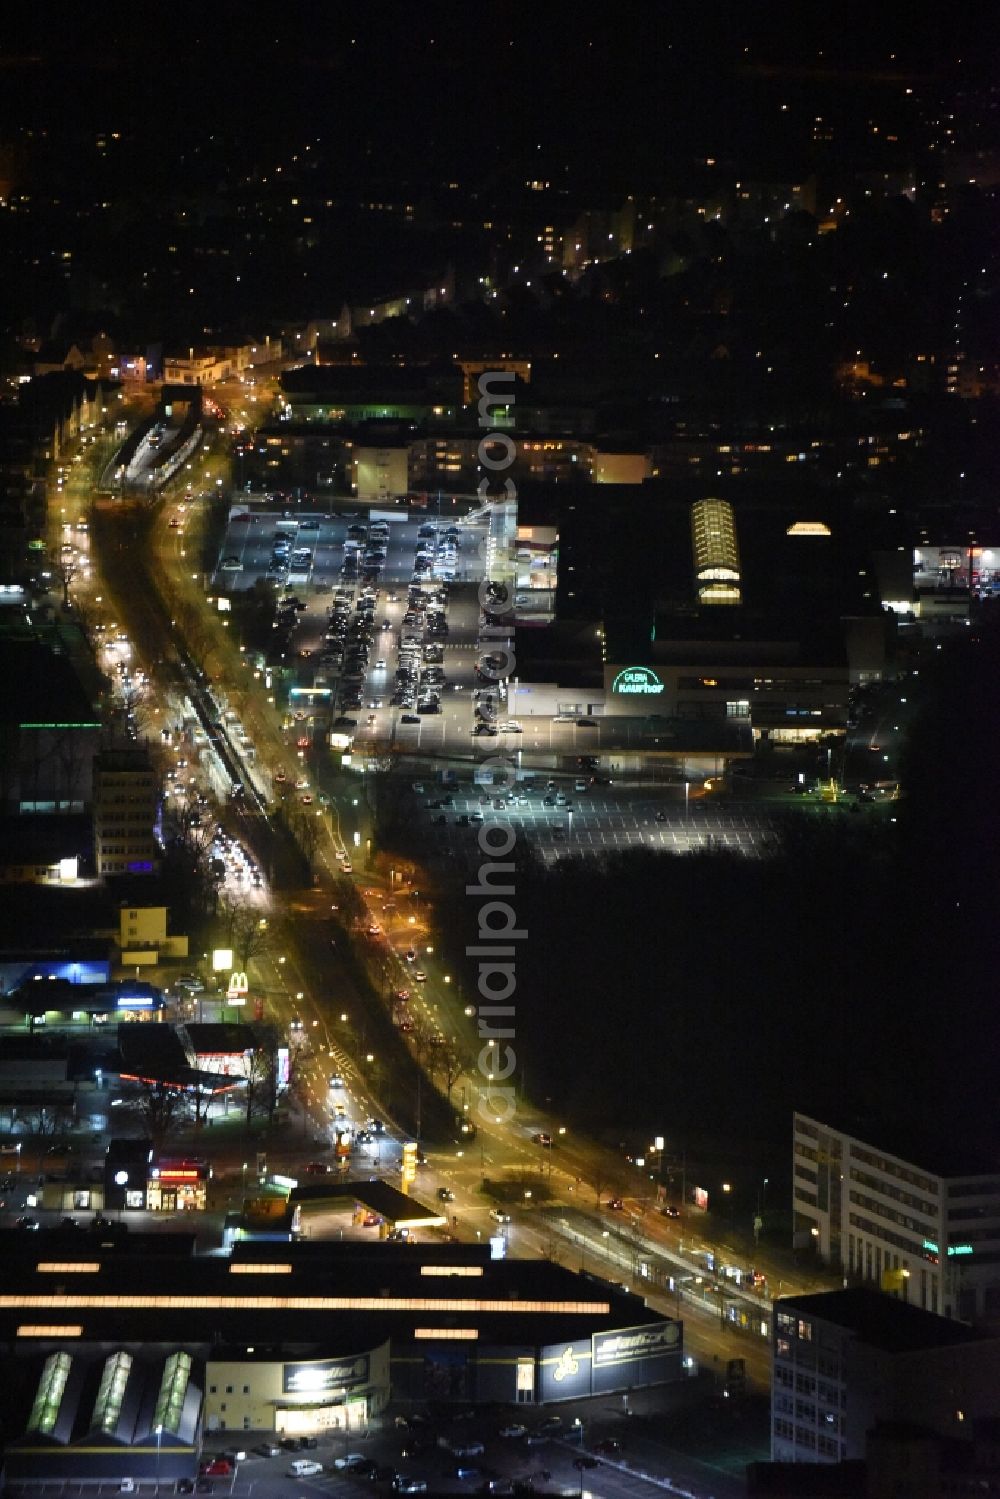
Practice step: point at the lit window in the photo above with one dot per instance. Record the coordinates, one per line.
(68, 1267)
(451, 1269)
(454, 1334)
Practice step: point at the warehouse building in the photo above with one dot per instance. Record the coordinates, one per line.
(289, 1338)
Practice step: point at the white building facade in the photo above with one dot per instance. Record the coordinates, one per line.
(929, 1238)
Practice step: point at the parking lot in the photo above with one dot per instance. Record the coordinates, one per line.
(378, 613)
(560, 820)
(522, 1452)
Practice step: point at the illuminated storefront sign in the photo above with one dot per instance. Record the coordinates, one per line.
(409, 1164)
(320, 1378)
(637, 681)
(237, 991)
(635, 1343)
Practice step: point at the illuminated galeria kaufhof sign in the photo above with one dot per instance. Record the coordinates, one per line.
(637, 681)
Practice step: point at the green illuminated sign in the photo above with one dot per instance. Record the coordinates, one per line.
(952, 1248)
(637, 681)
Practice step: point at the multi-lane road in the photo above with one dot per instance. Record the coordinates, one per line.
(550, 1220)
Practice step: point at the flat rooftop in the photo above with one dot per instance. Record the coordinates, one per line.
(881, 1321)
(378, 1196)
(939, 1153)
(347, 1293)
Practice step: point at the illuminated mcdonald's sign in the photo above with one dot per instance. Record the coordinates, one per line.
(236, 994)
(637, 681)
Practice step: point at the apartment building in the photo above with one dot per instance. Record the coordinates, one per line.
(921, 1226)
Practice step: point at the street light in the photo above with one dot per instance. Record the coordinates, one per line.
(121, 1180)
(159, 1433)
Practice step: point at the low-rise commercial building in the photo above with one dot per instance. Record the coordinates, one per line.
(297, 1338)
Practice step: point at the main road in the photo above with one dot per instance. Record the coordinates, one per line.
(550, 1192)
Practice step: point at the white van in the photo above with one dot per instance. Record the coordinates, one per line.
(305, 1467)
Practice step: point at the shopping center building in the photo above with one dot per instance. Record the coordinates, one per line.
(287, 1338)
(693, 627)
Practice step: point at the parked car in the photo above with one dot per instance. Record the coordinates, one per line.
(348, 1459)
(305, 1467)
